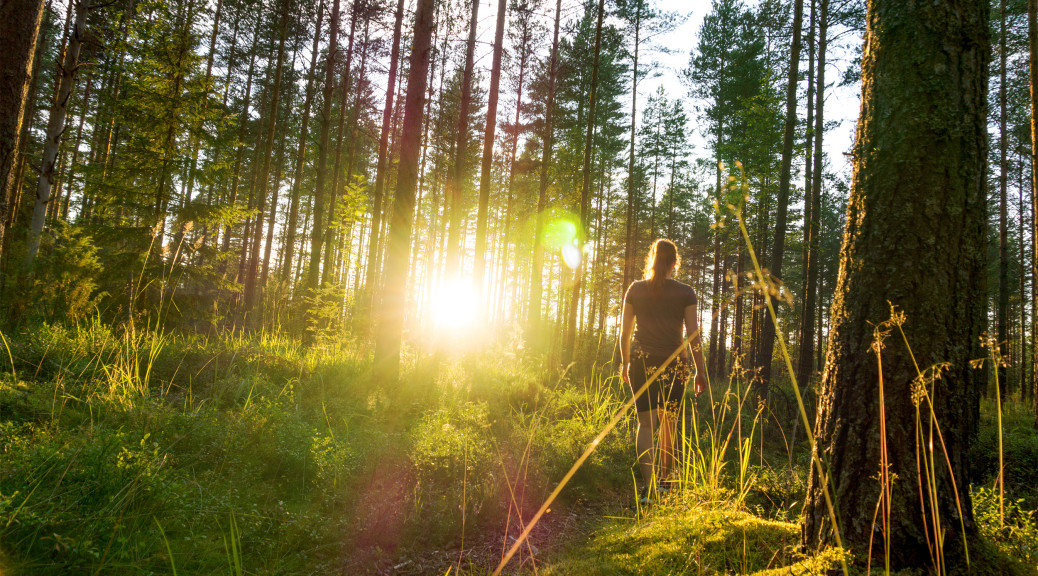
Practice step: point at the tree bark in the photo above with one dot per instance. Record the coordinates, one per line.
(537, 269)
(488, 153)
(20, 27)
(1002, 312)
(805, 358)
(373, 268)
(55, 130)
(253, 291)
(390, 333)
(1032, 43)
(313, 273)
(767, 340)
(569, 344)
(458, 168)
(629, 247)
(811, 290)
(300, 162)
(918, 195)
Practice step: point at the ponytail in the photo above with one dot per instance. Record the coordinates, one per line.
(663, 255)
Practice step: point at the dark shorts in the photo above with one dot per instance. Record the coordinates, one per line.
(666, 390)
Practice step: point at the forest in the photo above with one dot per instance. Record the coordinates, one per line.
(338, 287)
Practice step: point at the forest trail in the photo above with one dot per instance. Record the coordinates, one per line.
(373, 543)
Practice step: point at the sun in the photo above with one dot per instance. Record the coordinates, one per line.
(454, 305)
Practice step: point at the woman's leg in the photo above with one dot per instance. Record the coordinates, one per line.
(647, 422)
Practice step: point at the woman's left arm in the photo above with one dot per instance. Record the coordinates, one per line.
(692, 328)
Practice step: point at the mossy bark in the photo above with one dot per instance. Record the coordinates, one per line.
(915, 239)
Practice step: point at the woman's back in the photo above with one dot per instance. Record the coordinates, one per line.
(659, 311)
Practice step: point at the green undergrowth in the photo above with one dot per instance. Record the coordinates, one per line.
(123, 453)
(129, 452)
(688, 536)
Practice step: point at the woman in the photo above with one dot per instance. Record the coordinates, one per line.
(660, 305)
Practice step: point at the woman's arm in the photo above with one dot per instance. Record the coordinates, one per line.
(692, 328)
(626, 326)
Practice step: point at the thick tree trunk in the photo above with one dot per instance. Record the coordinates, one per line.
(20, 27)
(55, 130)
(767, 340)
(537, 269)
(915, 239)
(390, 333)
(488, 153)
(569, 344)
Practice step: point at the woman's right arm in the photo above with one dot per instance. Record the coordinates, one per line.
(626, 326)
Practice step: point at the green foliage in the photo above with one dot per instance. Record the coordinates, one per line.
(1013, 529)
(696, 539)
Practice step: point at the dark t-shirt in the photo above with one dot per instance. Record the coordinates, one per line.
(659, 313)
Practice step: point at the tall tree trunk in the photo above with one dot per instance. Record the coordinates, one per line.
(537, 268)
(513, 300)
(193, 145)
(313, 273)
(75, 147)
(253, 291)
(488, 153)
(1003, 218)
(715, 359)
(1021, 211)
(629, 245)
(569, 345)
(390, 333)
(1032, 44)
(805, 358)
(328, 272)
(811, 291)
(20, 27)
(300, 161)
(918, 195)
(55, 129)
(239, 156)
(371, 274)
(458, 169)
(767, 340)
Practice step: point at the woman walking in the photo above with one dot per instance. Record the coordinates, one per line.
(656, 308)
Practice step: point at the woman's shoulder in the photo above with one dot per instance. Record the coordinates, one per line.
(679, 285)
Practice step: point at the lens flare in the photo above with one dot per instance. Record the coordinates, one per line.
(560, 232)
(571, 255)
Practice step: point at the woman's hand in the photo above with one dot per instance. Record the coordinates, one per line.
(625, 370)
(699, 383)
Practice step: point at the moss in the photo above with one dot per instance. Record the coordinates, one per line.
(686, 538)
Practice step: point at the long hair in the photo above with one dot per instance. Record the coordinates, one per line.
(663, 255)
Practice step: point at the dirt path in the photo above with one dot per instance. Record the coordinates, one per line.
(372, 543)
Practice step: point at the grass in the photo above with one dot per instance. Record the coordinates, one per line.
(185, 454)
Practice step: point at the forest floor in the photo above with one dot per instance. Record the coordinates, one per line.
(183, 454)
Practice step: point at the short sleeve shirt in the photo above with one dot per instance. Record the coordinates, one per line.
(659, 314)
